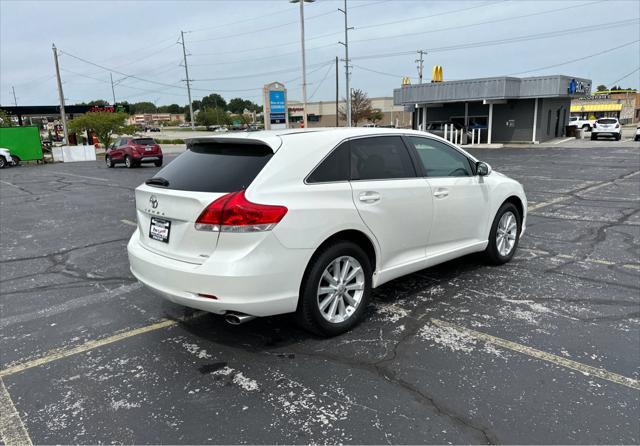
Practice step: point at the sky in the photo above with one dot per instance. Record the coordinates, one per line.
(235, 47)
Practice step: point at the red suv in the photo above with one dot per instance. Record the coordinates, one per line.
(133, 152)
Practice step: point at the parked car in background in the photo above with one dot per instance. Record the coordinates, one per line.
(606, 127)
(637, 136)
(580, 123)
(133, 152)
(5, 158)
(308, 222)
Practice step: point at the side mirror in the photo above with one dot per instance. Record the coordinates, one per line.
(483, 169)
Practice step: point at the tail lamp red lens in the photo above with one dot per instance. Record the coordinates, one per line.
(234, 213)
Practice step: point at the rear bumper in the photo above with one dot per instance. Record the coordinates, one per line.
(605, 132)
(148, 158)
(262, 281)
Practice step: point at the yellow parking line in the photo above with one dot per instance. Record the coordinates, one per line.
(549, 357)
(56, 354)
(12, 429)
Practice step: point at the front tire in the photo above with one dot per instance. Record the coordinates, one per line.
(108, 161)
(335, 290)
(128, 162)
(3, 162)
(504, 235)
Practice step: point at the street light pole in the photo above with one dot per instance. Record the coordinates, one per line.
(304, 62)
(63, 115)
(186, 71)
(346, 62)
(15, 100)
(113, 91)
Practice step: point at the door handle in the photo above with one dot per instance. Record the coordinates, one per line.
(369, 197)
(441, 193)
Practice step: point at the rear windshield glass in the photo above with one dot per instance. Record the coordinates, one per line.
(144, 141)
(606, 121)
(215, 167)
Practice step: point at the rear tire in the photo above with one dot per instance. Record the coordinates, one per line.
(593, 137)
(618, 136)
(504, 235)
(157, 163)
(3, 162)
(586, 127)
(16, 160)
(328, 279)
(128, 162)
(108, 161)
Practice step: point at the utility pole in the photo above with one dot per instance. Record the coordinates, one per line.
(113, 91)
(304, 61)
(420, 63)
(346, 62)
(63, 115)
(15, 101)
(337, 95)
(186, 71)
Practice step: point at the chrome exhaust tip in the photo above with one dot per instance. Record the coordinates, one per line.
(237, 318)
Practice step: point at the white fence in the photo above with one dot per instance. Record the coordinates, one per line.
(72, 154)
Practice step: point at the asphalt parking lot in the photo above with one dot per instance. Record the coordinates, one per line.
(545, 349)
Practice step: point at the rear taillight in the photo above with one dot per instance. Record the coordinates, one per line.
(234, 213)
(617, 125)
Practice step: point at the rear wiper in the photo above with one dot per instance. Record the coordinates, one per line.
(157, 181)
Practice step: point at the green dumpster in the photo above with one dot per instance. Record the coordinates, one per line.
(23, 142)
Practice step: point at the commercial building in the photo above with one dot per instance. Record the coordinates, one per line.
(323, 113)
(505, 109)
(155, 118)
(624, 105)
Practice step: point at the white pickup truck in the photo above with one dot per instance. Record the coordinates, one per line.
(586, 124)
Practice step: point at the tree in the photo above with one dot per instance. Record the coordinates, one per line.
(104, 124)
(360, 107)
(376, 115)
(174, 109)
(98, 103)
(5, 119)
(214, 100)
(601, 88)
(142, 107)
(215, 116)
(239, 105)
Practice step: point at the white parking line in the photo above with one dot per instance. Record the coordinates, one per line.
(129, 222)
(563, 140)
(12, 429)
(80, 176)
(548, 357)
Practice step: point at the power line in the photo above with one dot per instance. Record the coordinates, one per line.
(395, 22)
(588, 28)
(624, 77)
(285, 70)
(321, 82)
(471, 25)
(576, 60)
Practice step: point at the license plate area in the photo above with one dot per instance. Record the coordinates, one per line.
(160, 229)
(148, 148)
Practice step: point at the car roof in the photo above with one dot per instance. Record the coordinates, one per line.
(317, 136)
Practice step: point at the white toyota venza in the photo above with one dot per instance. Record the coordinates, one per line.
(309, 221)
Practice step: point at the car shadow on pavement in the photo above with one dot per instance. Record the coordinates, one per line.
(278, 332)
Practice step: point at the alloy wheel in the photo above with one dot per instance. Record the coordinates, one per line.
(340, 289)
(506, 233)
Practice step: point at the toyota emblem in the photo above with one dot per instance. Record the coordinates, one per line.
(154, 201)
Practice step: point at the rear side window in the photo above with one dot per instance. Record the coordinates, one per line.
(380, 157)
(440, 160)
(144, 141)
(334, 167)
(216, 167)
